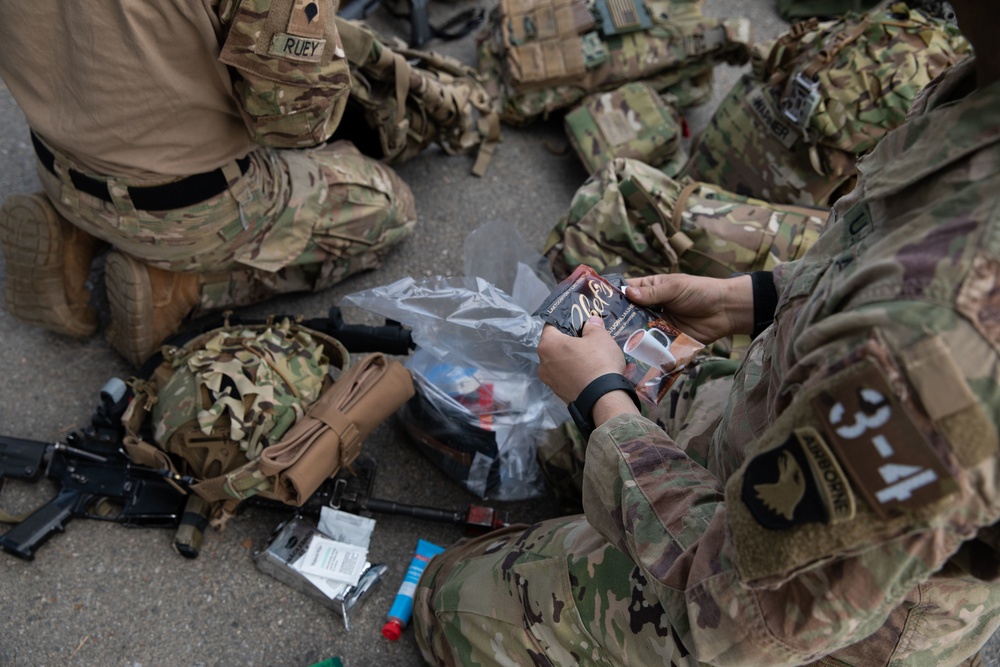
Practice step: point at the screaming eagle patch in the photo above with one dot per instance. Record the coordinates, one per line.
(798, 482)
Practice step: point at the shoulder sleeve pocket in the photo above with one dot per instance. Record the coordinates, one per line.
(291, 75)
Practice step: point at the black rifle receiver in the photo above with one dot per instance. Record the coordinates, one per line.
(391, 338)
(95, 477)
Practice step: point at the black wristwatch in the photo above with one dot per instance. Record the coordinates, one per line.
(581, 410)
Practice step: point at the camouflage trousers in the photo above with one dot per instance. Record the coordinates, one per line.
(558, 593)
(296, 220)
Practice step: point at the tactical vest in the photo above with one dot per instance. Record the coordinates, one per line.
(409, 99)
(539, 56)
(818, 97)
(271, 409)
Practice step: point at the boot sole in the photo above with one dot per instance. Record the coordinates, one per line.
(32, 247)
(130, 296)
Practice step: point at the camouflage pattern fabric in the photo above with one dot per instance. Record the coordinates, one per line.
(219, 400)
(691, 411)
(245, 385)
(411, 99)
(633, 219)
(295, 221)
(225, 395)
(846, 513)
(633, 121)
(820, 96)
(539, 56)
(292, 77)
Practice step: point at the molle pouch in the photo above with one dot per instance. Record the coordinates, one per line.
(291, 77)
(751, 147)
(633, 121)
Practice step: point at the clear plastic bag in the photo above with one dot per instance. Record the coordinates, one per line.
(480, 408)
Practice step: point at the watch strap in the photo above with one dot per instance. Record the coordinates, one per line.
(581, 410)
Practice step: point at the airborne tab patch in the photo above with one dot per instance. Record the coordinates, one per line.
(798, 482)
(888, 457)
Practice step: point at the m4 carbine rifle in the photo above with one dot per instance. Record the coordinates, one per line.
(95, 477)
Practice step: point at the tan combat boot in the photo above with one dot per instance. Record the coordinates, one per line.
(48, 263)
(147, 305)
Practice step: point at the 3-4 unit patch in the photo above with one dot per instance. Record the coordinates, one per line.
(888, 457)
(797, 482)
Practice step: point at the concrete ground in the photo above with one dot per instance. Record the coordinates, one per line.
(101, 594)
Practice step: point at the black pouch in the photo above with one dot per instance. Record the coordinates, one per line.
(447, 433)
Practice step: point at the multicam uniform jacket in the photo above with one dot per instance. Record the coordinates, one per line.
(843, 510)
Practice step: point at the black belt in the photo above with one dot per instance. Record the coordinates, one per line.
(178, 194)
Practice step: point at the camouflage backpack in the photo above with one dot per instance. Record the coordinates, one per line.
(633, 219)
(269, 409)
(408, 99)
(818, 98)
(539, 56)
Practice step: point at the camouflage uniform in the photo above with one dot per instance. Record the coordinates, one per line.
(846, 500)
(195, 90)
(311, 218)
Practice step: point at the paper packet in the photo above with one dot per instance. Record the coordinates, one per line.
(655, 351)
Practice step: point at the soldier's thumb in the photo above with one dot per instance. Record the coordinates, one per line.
(651, 295)
(593, 325)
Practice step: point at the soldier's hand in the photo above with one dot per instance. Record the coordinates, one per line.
(568, 364)
(705, 308)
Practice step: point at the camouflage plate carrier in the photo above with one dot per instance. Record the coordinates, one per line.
(820, 96)
(539, 56)
(633, 121)
(412, 99)
(633, 219)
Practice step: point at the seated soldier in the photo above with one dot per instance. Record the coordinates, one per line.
(155, 129)
(834, 500)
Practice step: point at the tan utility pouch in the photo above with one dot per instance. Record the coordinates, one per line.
(329, 437)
